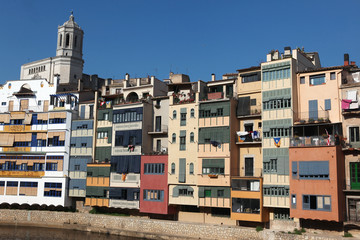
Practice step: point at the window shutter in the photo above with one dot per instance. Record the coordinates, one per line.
(182, 167)
(175, 192)
(327, 104)
(201, 192)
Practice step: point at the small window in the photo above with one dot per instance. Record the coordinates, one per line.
(327, 104)
(220, 193)
(293, 201)
(192, 113)
(174, 138)
(83, 144)
(332, 76)
(39, 102)
(191, 168)
(174, 114)
(3, 103)
(173, 168)
(77, 167)
(253, 102)
(191, 137)
(302, 80)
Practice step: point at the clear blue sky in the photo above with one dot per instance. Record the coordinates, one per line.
(152, 37)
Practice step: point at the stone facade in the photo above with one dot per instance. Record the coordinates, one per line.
(140, 227)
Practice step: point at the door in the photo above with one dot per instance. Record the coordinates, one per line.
(249, 166)
(355, 175)
(313, 110)
(158, 124)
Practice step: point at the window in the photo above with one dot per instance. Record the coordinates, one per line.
(245, 205)
(158, 145)
(281, 191)
(302, 80)
(207, 193)
(106, 116)
(213, 166)
(354, 136)
(51, 166)
(173, 168)
(154, 168)
(57, 120)
(220, 193)
(253, 102)
(77, 167)
(182, 119)
(67, 40)
(271, 166)
(38, 167)
(12, 184)
(83, 144)
(91, 111)
(317, 79)
(317, 202)
(192, 113)
(250, 78)
(103, 135)
(186, 192)
(191, 168)
(332, 76)
(132, 115)
(3, 103)
(327, 104)
(191, 137)
(153, 195)
(174, 114)
(182, 143)
(55, 142)
(29, 184)
(293, 201)
(173, 138)
(39, 102)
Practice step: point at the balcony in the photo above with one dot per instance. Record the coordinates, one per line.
(253, 112)
(312, 141)
(245, 184)
(324, 134)
(311, 117)
(251, 138)
(158, 130)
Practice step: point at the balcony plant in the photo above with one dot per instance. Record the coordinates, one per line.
(311, 120)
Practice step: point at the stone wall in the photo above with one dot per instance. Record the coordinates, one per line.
(139, 227)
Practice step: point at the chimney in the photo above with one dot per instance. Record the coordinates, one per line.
(213, 77)
(346, 59)
(287, 51)
(127, 77)
(152, 80)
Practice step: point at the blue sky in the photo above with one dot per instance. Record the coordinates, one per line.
(154, 37)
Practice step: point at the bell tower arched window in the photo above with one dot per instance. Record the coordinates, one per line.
(60, 40)
(67, 41)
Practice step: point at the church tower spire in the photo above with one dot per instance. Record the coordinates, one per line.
(70, 39)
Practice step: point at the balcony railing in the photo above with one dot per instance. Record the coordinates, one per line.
(311, 117)
(158, 129)
(254, 111)
(248, 137)
(245, 184)
(312, 141)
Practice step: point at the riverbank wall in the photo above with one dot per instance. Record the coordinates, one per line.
(141, 227)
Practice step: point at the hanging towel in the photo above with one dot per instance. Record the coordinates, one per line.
(345, 103)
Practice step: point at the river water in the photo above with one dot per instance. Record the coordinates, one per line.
(37, 233)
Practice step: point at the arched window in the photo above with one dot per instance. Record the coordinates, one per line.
(173, 168)
(67, 41)
(174, 114)
(173, 138)
(60, 40)
(191, 168)
(191, 137)
(192, 113)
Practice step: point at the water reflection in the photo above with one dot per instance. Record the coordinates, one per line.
(37, 233)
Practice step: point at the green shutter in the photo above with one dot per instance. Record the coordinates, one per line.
(201, 192)
(220, 163)
(175, 192)
(182, 170)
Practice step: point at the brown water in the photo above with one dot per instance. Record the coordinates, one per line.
(37, 233)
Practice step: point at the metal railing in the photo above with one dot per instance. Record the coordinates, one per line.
(312, 141)
(311, 117)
